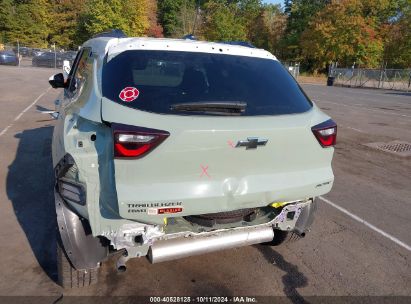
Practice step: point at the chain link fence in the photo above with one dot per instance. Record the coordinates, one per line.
(293, 68)
(390, 79)
(25, 56)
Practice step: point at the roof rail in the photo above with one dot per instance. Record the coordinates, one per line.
(241, 43)
(111, 34)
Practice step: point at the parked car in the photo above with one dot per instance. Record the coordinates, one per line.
(23, 51)
(38, 52)
(9, 58)
(48, 59)
(70, 56)
(170, 148)
(51, 59)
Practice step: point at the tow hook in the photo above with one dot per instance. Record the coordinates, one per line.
(121, 262)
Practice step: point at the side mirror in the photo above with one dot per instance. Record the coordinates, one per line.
(57, 81)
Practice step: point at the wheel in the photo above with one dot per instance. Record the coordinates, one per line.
(283, 237)
(68, 276)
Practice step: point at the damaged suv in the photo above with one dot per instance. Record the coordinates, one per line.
(171, 148)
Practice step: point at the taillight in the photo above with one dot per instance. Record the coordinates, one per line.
(135, 142)
(326, 133)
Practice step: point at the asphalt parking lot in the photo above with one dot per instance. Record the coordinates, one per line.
(360, 243)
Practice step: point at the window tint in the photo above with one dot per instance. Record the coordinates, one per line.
(164, 78)
(159, 73)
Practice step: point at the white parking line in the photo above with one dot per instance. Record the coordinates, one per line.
(384, 93)
(5, 130)
(24, 111)
(351, 128)
(371, 226)
(354, 129)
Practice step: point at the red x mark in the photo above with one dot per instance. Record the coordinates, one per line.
(204, 171)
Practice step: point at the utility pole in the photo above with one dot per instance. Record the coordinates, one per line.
(18, 51)
(380, 81)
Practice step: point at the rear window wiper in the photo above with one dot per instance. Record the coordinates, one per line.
(211, 107)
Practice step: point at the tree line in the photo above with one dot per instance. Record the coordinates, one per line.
(313, 32)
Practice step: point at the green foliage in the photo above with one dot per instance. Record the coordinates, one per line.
(382, 11)
(6, 19)
(65, 16)
(134, 17)
(216, 19)
(26, 22)
(300, 13)
(342, 32)
(230, 20)
(102, 15)
(222, 22)
(168, 11)
(68, 23)
(99, 16)
(397, 51)
(312, 31)
(177, 16)
(268, 29)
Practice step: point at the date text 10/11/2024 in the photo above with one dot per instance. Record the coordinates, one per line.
(204, 299)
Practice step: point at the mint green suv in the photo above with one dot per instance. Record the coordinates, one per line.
(170, 148)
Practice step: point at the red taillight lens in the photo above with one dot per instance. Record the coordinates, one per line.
(135, 142)
(326, 133)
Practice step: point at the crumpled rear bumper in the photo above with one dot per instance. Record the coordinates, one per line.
(295, 217)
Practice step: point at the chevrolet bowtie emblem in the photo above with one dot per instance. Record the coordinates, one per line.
(251, 143)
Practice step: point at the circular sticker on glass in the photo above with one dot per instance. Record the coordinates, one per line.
(129, 94)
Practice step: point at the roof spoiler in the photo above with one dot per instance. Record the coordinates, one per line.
(111, 34)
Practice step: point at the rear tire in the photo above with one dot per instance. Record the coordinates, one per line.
(283, 237)
(69, 277)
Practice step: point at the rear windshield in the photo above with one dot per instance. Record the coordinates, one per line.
(154, 81)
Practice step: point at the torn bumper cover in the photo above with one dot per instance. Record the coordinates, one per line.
(293, 217)
(159, 246)
(86, 251)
